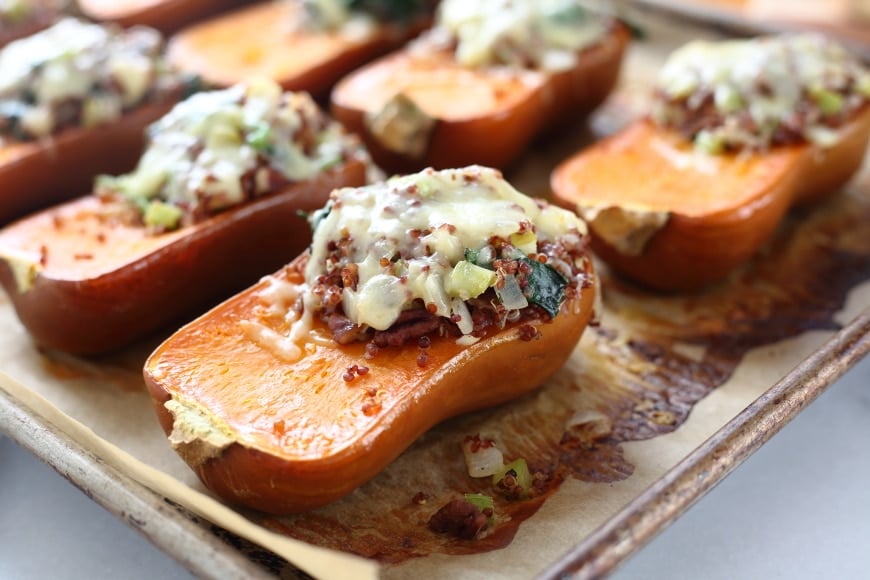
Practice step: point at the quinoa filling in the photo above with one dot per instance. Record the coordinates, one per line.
(523, 34)
(79, 74)
(454, 253)
(761, 93)
(219, 149)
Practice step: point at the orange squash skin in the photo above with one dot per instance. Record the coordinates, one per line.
(701, 246)
(167, 16)
(131, 284)
(496, 137)
(256, 41)
(270, 467)
(37, 174)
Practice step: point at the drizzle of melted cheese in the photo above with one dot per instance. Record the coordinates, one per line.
(277, 298)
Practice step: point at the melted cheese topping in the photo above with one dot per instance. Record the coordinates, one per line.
(544, 34)
(203, 153)
(405, 238)
(102, 69)
(804, 82)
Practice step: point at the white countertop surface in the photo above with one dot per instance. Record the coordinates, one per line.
(798, 508)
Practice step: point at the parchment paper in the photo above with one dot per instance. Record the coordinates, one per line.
(102, 404)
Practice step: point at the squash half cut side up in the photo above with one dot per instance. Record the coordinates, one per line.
(486, 116)
(285, 436)
(86, 283)
(260, 41)
(673, 218)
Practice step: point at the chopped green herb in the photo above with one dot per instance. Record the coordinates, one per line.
(546, 287)
(637, 31)
(477, 258)
(317, 216)
(569, 13)
(391, 10)
(192, 83)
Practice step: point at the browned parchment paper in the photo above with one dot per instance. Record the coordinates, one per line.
(666, 372)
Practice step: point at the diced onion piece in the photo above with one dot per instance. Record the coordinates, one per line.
(100, 109)
(38, 121)
(459, 308)
(481, 458)
(511, 295)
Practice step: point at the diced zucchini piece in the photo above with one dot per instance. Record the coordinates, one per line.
(526, 242)
(97, 110)
(469, 281)
(260, 137)
(727, 99)
(709, 142)
(163, 215)
(829, 102)
(480, 501)
(520, 470)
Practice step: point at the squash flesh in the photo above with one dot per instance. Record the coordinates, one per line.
(309, 433)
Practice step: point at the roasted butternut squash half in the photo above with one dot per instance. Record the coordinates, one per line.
(164, 15)
(211, 207)
(305, 46)
(740, 132)
(481, 84)
(74, 102)
(421, 298)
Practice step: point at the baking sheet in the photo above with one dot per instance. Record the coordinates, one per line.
(668, 371)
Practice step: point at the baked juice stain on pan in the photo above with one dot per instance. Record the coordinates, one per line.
(636, 376)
